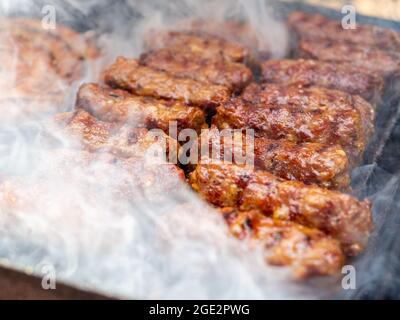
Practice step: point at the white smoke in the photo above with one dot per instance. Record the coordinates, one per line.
(161, 241)
(73, 216)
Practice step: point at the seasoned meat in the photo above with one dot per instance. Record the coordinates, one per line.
(181, 62)
(381, 62)
(120, 106)
(339, 215)
(82, 46)
(311, 163)
(238, 31)
(206, 44)
(241, 32)
(339, 76)
(38, 67)
(29, 86)
(307, 251)
(65, 47)
(81, 129)
(318, 26)
(301, 115)
(129, 75)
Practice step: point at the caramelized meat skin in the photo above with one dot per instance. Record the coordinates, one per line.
(307, 251)
(339, 76)
(181, 62)
(83, 130)
(142, 80)
(121, 107)
(311, 163)
(237, 31)
(234, 30)
(375, 60)
(301, 115)
(82, 46)
(318, 26)
(339, 215)
(37, 88)
(204, 43)
(311, 98)
(37, 67)
(65, 47)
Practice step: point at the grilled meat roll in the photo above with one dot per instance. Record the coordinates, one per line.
(129, 75)
(182, 62)
(82, 130)
(301, 115)
(38, 66)
(339, 215)
(36, 89)
(82, 47)
(311, 163)
(237, 31)
(383, 63)
(318, 26)
(119, 106)
(204, 43)
(339, 76)
(66, 48)
(307, 251)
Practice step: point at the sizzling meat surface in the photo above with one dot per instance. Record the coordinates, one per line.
(339, 215)
(307, 251)
(318, 26)
(129, 75)
(29, 85)
(382, 62)
(57, 44)
(119, 106)
(301, 115)
(206, 44)
(182, 62)
(38, 66)
(84, 130)
(234, 30)
(339, 76)
(311, 163)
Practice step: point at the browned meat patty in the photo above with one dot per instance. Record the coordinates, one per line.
(67, 49)
(311, 163)
(82, 130)
(384, 63)
(339, 215)
(234, 30)
(339, 76)
(38, 67)
(307, 251)
(181, 62)
(318, 26)
(301, 115)
(130, 75)
(29, 85)
(119, 106)
(207, 44)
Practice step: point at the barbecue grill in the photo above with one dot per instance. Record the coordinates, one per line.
(378, 178)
